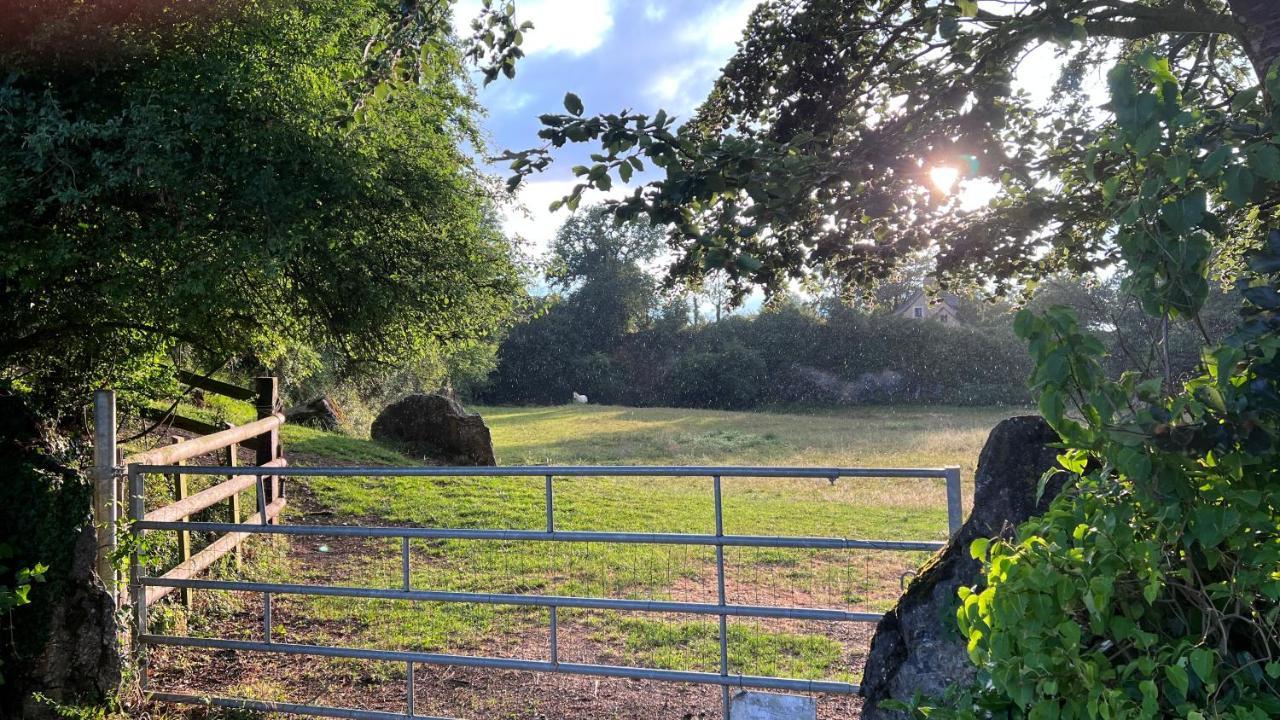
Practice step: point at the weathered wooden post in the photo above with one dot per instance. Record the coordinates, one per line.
(105, 500)
(184, 537)
(268, 402)
(235, 497)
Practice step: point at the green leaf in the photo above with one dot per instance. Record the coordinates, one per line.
(1178, 167)
(968, 8)
(1264, 160)
(948, 28)
(1213, 162)
(978, 548)
(573, 104)
(1178, 678)
(1109, 188)
(1202, 661)
(1147, 140)
(1239, 185)
(1244, 99)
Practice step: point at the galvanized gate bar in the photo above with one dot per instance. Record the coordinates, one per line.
(707, 471)
(770, 541)
(141, 585)
(777, 612)
(287, 708)
(759, 682)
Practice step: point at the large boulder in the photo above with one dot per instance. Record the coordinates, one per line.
(917, 647)
(435, 427)
(81, 660)
(323, 412)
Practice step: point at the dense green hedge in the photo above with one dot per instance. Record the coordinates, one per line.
(788, 355)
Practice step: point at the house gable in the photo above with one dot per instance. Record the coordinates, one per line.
(917, 307)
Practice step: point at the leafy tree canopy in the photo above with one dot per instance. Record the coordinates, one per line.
(241, 181)
(589, 245)
(812, 154)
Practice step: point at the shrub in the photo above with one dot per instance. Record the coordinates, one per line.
(729, 378)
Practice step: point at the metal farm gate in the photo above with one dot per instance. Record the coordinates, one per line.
(144, 588)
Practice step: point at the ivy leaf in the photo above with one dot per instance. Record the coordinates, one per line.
(573, 104)
(1177, 676)
(1202, 661)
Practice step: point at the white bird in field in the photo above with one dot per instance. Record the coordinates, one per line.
(580, 399)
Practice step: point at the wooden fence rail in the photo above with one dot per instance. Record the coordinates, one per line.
(262, 436)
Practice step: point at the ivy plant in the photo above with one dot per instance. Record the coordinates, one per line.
(1151, 588)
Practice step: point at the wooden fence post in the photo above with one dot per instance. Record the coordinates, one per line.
(235, 497)
(268, 402)
(105, 500)
(184, 537)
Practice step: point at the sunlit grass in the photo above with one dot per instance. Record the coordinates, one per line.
(578, 435)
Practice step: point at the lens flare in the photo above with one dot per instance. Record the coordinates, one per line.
(944, 178)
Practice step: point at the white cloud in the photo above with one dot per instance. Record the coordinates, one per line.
(503, 98)
(675, 89)
(720, 27)
(712, 36)
(575, 27)
(531, 218)
(654, 11)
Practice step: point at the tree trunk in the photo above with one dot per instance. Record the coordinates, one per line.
(1261, 20)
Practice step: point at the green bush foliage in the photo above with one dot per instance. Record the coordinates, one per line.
(730, 377)
(239, 185)
(787, 355)
(226, 184)
(1151, 589)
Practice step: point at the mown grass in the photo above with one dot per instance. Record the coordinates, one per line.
(576, 435)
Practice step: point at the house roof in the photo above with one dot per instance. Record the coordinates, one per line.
(951, 300)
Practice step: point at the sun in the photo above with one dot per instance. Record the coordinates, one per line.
(944, 178)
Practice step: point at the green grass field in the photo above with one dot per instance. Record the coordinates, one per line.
(575, 435)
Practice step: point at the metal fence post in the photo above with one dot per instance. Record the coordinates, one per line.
(137, 510)
(955, 500)
(554, 627)
(105, 501)
(720, 598)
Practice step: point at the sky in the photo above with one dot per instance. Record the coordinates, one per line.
(630, 54)
(614, 54)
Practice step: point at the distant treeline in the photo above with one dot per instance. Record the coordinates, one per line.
(786, 355)
(612, 333)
